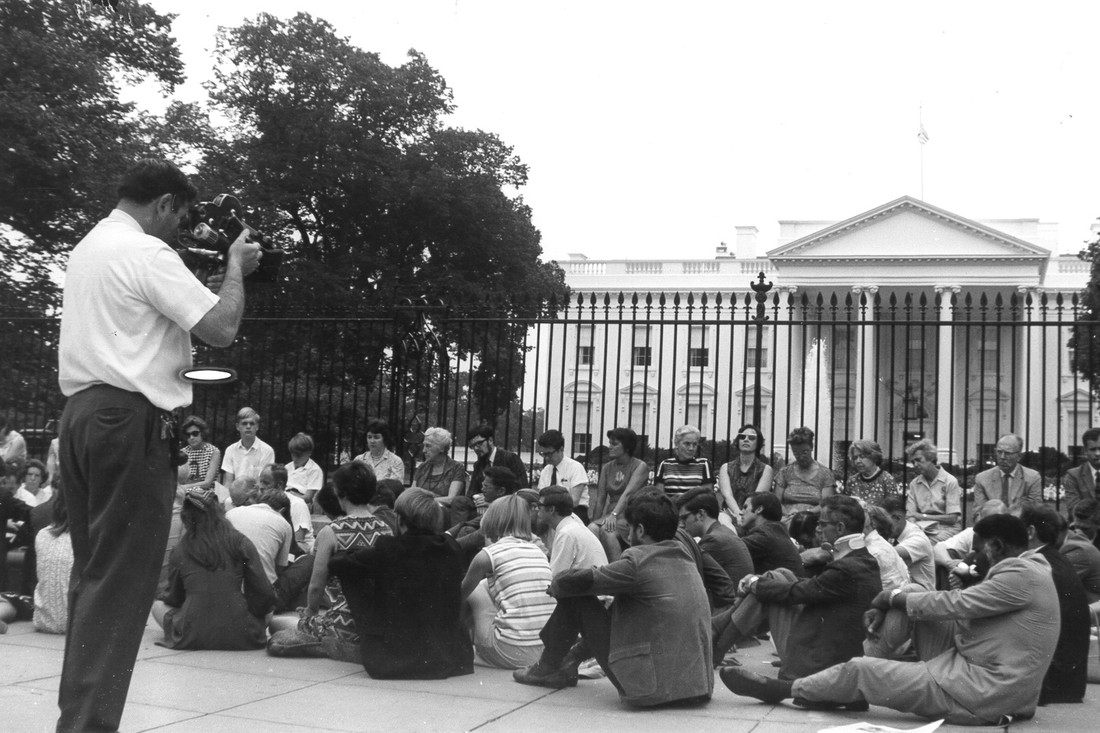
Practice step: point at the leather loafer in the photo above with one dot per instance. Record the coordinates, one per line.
(740, 681)
(540, 676)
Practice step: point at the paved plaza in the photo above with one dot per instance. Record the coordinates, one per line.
(249, 692)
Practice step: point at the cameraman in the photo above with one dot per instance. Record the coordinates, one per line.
(130, 307)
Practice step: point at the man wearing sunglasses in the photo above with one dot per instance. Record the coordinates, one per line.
(483, 443)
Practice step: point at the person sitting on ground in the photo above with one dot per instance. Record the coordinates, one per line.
(385, 497)
(619, 478)
(1067, 675)
(34, 486)
(745, 475)
(766, 538)
(505, 587)
(815, 622)
(268, 532)
(54, 557)
(802, 484)
(1010, 481)
(249, 455)
(934, 499)
(218, 596)
(892, 570)
(379, 456)
(13, 513)
(1085, 558)
(439, 473)
(911, 543)
(1086, 520)
(574, 546)
(983, 650)
(497, 481)
(203, 459)
(560, 470)
(684, 470)
(1081, 481)
(958, 563)
(332, 632)
(327, 501)
(869, 482)
(803, 530)
(654, 642)
(698, 511)
(482, 442)
(304, 477)
(405, 593)
(273, 477)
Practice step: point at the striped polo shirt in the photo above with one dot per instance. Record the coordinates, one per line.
(678, 476)
(521, 575)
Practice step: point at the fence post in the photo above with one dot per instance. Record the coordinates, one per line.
(761, 289)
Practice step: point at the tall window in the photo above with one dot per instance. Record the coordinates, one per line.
(754, 357)
(642, 355)
(639, 413)
(586, 345)
(698, 414)
(845, 341)
(698, 349)
(582, 435)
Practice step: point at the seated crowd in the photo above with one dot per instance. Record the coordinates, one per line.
(870, 594)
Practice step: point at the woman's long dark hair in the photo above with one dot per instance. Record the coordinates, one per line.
(209, 539)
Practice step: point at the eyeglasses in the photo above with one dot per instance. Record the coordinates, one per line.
(478, 443)
(193, 433)
(744, 436)
(547, 453)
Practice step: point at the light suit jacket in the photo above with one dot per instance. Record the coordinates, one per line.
(1008, 628)
(1025, 486)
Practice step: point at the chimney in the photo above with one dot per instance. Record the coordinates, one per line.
(745, 246)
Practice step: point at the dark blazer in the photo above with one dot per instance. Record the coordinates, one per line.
(505, 458)
(829, 628)
(405, 594)
(1068, 672)
(771, 548)
(723, 544)
(1079, 484)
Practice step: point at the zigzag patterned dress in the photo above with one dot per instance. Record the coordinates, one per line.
(352, 533)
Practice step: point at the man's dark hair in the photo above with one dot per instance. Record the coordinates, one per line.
(771, 507)
(503, 478)
(552, 439)
(150, 178)
(327, 501)
(701, 497)
(892, 503)
(654, 511)
(484, 430)
(1048, 523)
(849, 509)
(1087, 509)
(626, 437)
(279, 475)
(355, 482)
(558, 499)
(1004, 527)
(392, 485)
(384, 496)
(1092, 434)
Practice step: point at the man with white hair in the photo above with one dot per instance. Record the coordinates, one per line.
(1008, 481)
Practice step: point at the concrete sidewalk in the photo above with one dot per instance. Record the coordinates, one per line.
(249, 692)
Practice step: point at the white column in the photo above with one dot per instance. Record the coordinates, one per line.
(782, 387)
(1028, 420)
(947, 395)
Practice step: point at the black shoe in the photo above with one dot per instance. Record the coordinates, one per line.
(856, 706)
(740, 681)
(540, 676)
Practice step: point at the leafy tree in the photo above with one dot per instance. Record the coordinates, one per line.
(67, 135)
(349, 167)
(1085, 340)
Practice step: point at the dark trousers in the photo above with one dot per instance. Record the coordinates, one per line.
(585, 616)
(119, 487)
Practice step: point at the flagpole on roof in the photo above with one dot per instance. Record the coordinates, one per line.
(922, 138)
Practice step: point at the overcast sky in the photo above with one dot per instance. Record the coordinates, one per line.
(652, 129)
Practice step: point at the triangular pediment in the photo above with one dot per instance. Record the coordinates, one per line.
(907, 230)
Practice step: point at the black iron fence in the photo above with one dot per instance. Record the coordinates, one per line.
(959, 369)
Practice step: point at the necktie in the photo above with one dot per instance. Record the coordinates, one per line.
(554, 476)
(1004, 488)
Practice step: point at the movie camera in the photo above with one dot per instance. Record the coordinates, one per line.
(210, 228)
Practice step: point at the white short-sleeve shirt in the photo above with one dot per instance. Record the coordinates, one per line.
(247, 462)
(129, 306)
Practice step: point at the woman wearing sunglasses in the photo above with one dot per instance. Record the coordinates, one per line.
(197, 473)
(746, 474)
